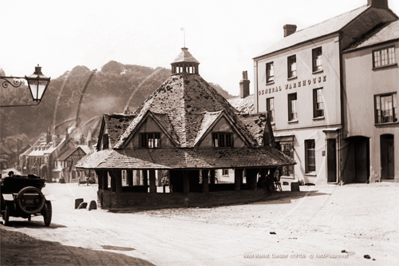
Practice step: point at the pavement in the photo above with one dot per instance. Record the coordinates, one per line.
(355, 224)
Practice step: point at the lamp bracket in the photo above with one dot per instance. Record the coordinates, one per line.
(13, 81)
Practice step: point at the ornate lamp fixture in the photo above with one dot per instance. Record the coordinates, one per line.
(37, 83)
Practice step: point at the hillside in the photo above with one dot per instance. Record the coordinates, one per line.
(110, 89)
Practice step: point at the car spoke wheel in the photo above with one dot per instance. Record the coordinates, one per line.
(47, 213)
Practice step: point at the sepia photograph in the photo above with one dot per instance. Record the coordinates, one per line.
(199, 132)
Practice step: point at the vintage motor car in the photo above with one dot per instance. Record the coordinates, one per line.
(21, 196)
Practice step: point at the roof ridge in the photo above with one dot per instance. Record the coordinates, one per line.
(324, 21)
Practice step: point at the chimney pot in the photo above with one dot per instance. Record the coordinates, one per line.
(378, 3)
(289, 29)
(244, 85)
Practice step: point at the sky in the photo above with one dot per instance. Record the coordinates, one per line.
(224, 36)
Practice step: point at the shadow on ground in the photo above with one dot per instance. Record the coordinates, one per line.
(20, 249)
(32, 224)
(286, 197)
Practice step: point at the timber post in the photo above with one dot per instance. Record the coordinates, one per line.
(237, 179)
(205, 186)
(153, 188)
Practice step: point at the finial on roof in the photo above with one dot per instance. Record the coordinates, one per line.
(184, 36)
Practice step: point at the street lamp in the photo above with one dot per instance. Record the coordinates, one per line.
(37, 83)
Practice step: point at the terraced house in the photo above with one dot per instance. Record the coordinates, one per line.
(331, 92)
(182, 134)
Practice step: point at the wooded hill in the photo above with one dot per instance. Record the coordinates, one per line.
(108, 91)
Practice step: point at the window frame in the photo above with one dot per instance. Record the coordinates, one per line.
(389, 58)
(291, 117)
(315, 57)
(270, 72)
(268, 110)
(225, 172)
(292, 74)
(316, 102)
(227, 143)
(310, 161)
(378, 119)
(145, 138)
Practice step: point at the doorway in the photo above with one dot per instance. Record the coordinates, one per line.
(387, 156)
(331, 161)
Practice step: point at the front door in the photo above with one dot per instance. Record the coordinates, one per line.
(387, 157)
(331, 161)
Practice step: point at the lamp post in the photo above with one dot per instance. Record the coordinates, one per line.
(37, 83)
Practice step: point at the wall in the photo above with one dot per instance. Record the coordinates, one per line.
(328, 79)
(360, 84)
(149, 126)
(307, 127)
(222, 126)
(160, 200)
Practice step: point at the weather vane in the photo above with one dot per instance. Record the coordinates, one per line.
(182, 29)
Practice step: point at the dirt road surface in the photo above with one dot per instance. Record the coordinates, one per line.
(323, 225)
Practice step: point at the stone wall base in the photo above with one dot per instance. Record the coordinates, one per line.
(111, 200)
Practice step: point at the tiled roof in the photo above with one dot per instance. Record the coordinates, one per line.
(256, 124)
(185, 56)
(66, 154)
(185, 158)
(322, 29)
(207, 120)
(85, 148)
(116, 124)
(243, 105)
(185, 99)
(384, 33)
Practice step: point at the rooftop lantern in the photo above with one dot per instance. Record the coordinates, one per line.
(185, 63)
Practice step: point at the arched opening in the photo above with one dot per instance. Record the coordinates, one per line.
(387, 156)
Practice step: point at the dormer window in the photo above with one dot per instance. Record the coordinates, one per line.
(151, 140)
(222, 140)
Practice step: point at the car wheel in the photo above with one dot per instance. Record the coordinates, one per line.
(47, 213)
(6, 214)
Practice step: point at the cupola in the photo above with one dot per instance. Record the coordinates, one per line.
(185, 63)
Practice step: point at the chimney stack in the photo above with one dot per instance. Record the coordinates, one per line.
(378, 3)
(289, 29)
(48, 136)
(244, 85)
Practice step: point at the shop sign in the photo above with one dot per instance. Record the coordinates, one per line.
(294, 85)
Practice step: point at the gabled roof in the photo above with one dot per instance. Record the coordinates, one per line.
(382, 33)
(185, 56)
(185, 158)
(322, 29)
(186, 100)
(115, 125)
(208, 120)
(256, 124)
(85, 148)
(68, 153)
